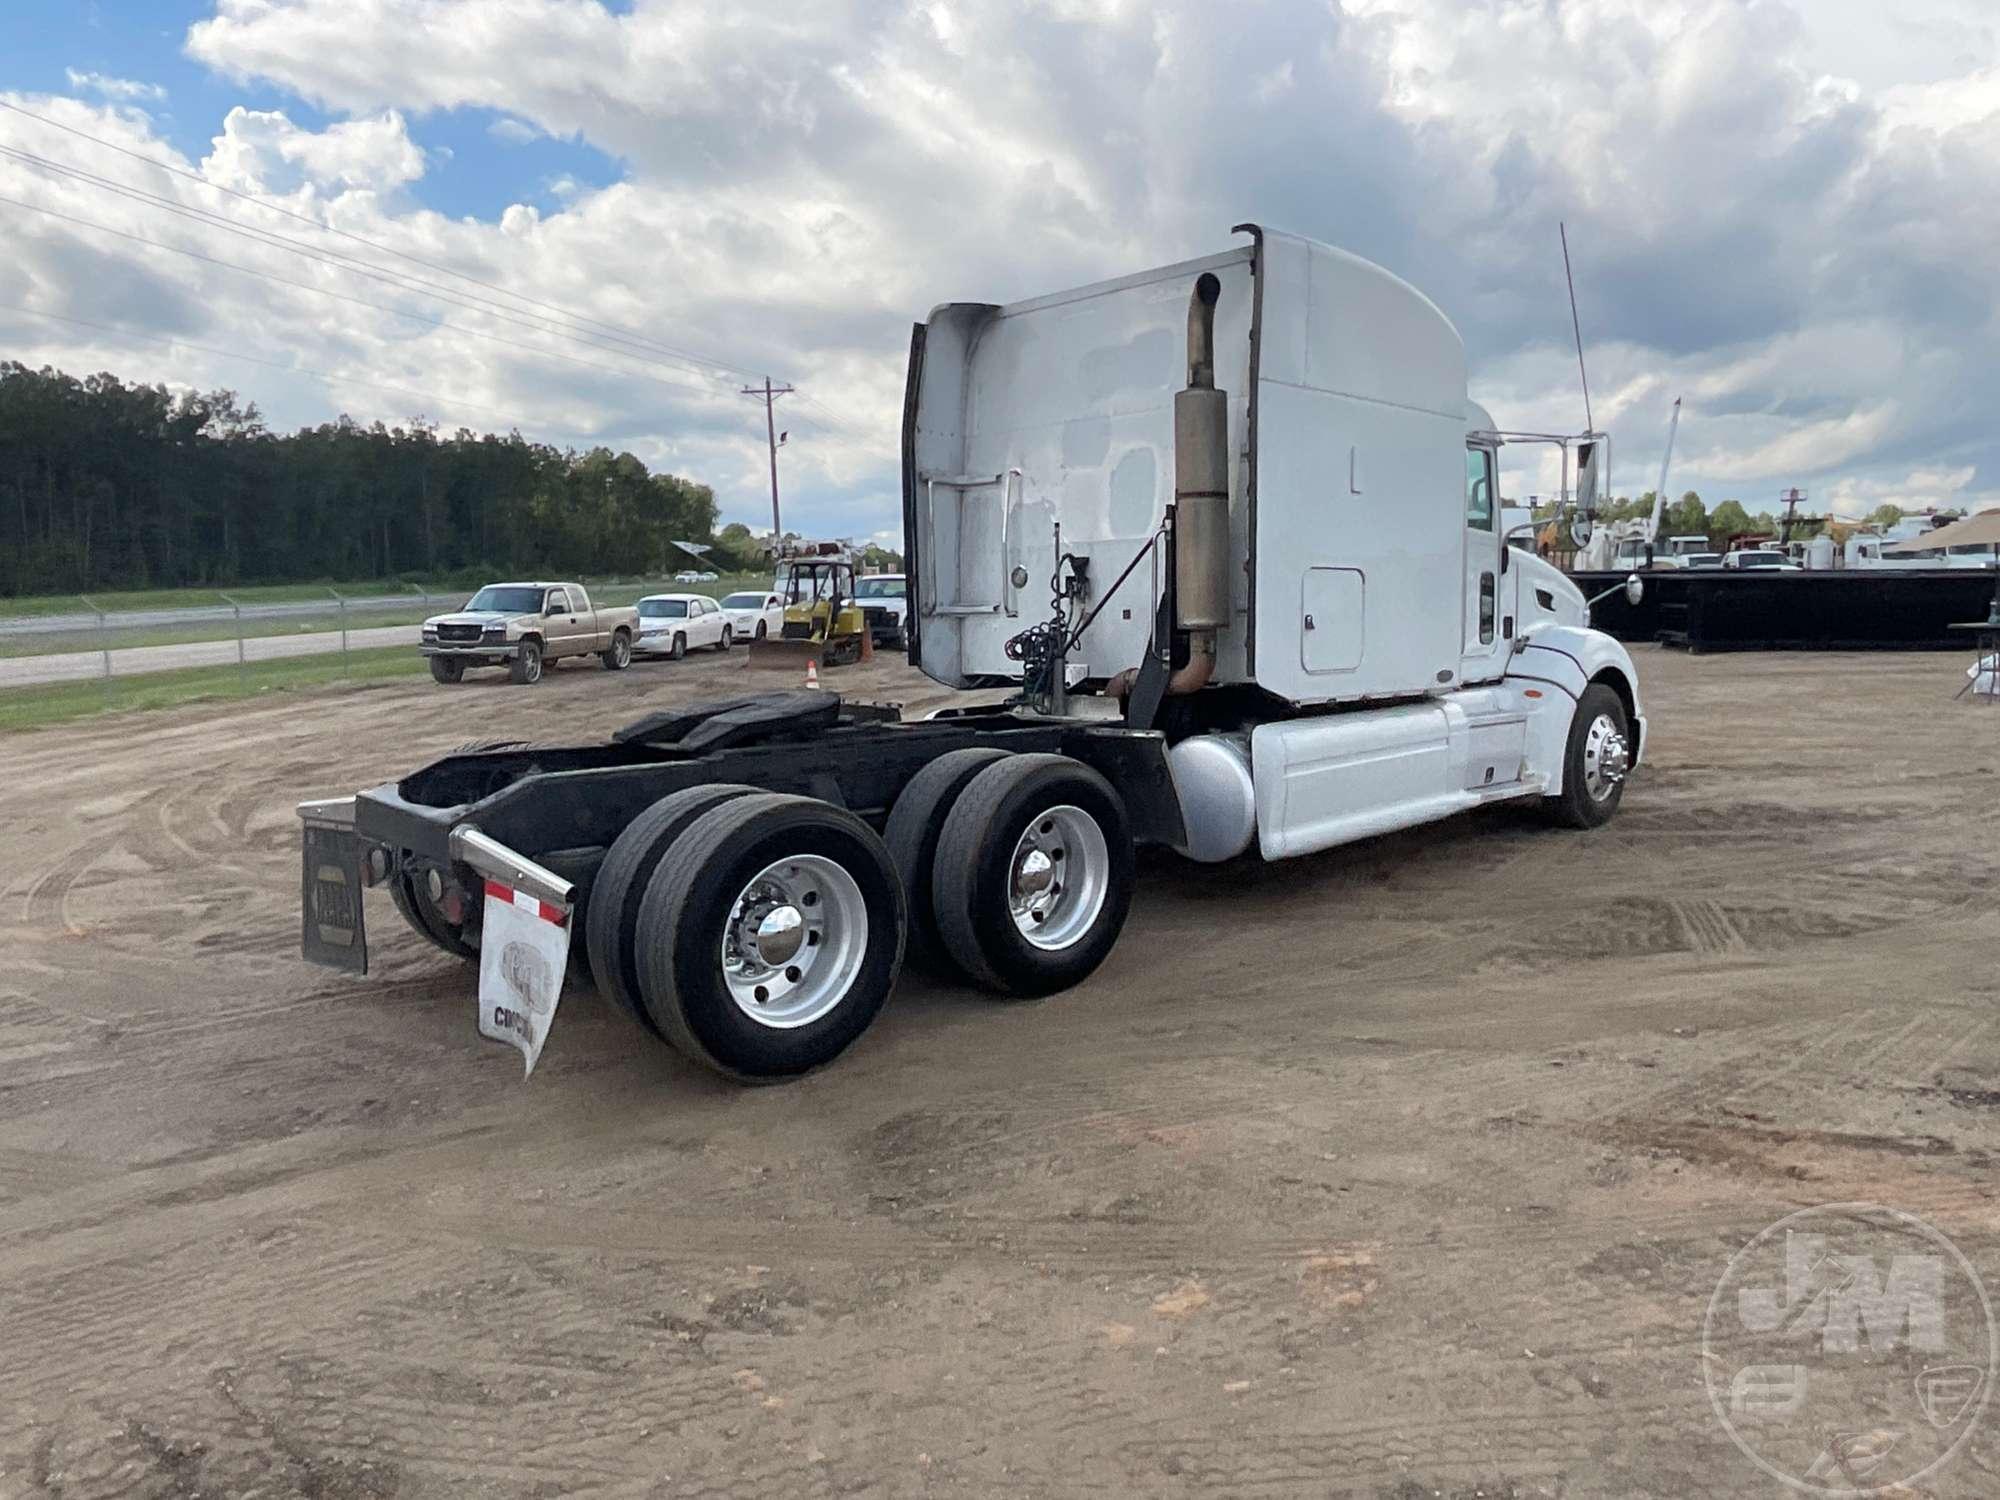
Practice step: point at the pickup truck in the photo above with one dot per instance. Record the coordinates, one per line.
(524, 626)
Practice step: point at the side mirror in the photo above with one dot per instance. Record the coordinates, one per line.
(1580, 527)
(553, 609)
(1589, 481)
(1635, 589)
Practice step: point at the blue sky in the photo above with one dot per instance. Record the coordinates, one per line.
(1783, 210)
(472, 171)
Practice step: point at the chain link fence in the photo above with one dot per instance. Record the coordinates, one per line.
(222, 631)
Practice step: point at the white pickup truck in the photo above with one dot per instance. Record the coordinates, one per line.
(524, 626)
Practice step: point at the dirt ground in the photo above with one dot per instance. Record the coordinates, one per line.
(1405, 1170)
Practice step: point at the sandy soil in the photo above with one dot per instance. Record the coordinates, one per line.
(1406, 1170)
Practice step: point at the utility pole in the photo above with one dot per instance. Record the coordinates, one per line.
(769, 395)
(1791, 499)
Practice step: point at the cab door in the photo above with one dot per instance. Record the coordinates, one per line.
(1482, 657)
(559, 626)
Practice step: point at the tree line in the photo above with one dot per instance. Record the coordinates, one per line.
(1689, 516)
(105, 485)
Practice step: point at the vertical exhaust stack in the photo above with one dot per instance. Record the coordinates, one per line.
(1201, 508)
(1201, 495)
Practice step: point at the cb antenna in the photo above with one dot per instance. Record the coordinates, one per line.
(1589, 422)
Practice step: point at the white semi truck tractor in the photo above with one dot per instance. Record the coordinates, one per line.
(1230, 533)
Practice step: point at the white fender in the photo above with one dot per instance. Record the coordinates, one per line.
(1571, 657)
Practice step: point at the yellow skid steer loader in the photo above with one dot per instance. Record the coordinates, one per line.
(823, 624)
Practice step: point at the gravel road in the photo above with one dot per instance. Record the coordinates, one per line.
(1405, 1170)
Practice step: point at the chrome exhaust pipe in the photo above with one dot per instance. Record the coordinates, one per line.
(1201, 503)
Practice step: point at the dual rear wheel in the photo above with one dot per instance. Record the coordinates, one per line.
(760, 933)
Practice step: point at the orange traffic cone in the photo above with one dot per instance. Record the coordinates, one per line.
(812, 674)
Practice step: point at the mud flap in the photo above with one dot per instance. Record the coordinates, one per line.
(523, 954)
(332, 923)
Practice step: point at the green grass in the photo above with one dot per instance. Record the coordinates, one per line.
(124, 638)
(611, 595)
(615, 592)
(276, 593)
(36, 707)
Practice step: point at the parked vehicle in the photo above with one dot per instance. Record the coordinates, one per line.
(883, 598)
(1698, 560)
(526, 627)
(822, 623)
(1253, 665)
(754, 614)
(671, 625)
(1768, 559)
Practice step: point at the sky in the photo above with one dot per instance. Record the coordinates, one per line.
(1782, 211)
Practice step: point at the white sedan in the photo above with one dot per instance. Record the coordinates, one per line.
(754, 615)
(671, 625)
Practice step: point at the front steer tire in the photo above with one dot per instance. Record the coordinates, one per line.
(1598, 711)
(740, 875)
(612, 913)
(990, 892)
(526, 667)
(447, 669)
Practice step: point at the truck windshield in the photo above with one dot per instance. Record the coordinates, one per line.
(663, 609)
(507, 600)
(879, 588)
(744, 601)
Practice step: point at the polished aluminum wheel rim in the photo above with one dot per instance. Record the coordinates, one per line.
(794, 941)
(1606, 758)
(621, 651)
(1058, 877)
(534, 672)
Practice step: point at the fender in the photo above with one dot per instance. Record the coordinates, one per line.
(1573, 657)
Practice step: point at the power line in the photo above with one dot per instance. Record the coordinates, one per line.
(273, 364)
(307, 219)
(333, 259)
(321, 291)
(695, 358)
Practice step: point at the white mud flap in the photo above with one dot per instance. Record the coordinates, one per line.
(523, 953)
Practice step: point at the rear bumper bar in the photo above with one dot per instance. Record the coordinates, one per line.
(340, 859)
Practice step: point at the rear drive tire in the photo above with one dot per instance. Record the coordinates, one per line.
(619, 656)
(1595, 761)
(526, 667)
(417, 908)
(1033, 875)
(612, 912)
(725, 643)
(447, 669)
(770, 936)
(915, 824)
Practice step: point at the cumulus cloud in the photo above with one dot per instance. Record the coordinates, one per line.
(262, 151)
(1797, 246)
(121, 90)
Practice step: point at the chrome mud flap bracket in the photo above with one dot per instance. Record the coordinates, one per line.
(525, 932)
